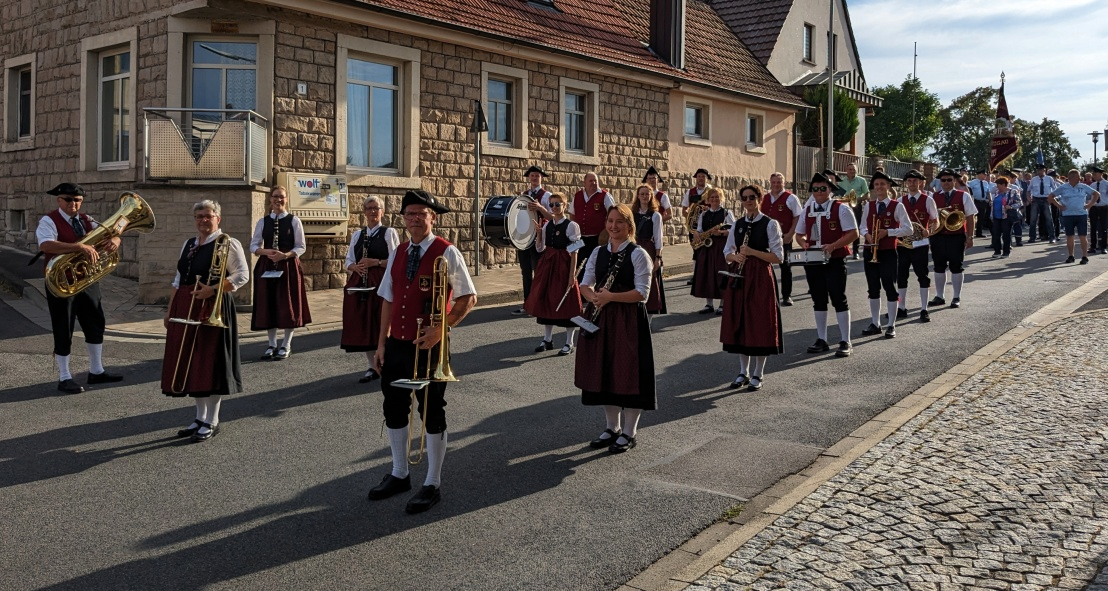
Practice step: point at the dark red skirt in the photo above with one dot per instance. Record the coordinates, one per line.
(615, 365)
(213, 352)
(551, 276)
(751, 316)
(709, 262)
(361, 314)
(656, 302)
(280, 302)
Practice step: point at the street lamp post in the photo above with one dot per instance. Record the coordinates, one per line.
(1096, 137)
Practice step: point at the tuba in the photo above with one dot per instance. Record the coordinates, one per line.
(69, 274)
(951, 219)
(216, 273)
(441, 372)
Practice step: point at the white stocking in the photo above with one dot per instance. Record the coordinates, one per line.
(398, 445)
(892, 313)
(956, 279)
(744, 364)
(287, 341)
(272, 337)
(923, 298)
(548, 332)
(844, 324)
(875, 312)
(611, 416)
(63, 368)
(436, 452)
(903, 293)
(821, 324)
(631, 421)
(95, 358)
(940, 285)
(758, 365)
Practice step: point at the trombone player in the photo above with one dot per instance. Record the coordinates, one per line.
(406, 342)
(60, 232)
(202, 359)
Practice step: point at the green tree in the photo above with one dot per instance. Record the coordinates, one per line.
(846, 117)
(965, 131)
(889, 131)
(1058, 153)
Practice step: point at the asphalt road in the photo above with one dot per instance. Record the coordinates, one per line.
(99, 494)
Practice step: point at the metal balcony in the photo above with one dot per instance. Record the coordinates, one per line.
(205, 146)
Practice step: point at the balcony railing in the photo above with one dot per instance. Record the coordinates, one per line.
(205, 146)
(810, 160)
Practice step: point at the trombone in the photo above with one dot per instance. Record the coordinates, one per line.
(441, 372)
(217, 272)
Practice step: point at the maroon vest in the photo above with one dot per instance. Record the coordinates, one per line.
(658, 196)
(831, 231)
(412, 299)
(885, 221)
(65, 229)
(956, 202)
(918, 212)
(779, 210)
(592, 215)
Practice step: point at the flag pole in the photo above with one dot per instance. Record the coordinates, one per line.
(480, 125)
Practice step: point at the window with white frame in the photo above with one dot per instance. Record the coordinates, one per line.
(223, 75)
(579, 129)
(372, 114)
(809, 34)
(113, 107)
(755, 130)
(696, 121)
(576, 122)
(19, 102)
(500, 111)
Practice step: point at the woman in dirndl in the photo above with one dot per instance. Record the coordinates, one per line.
(202, 360)
(279, 297)
(366, 260)
(615, 364)
(713, 224)
(555, 297)
(648, 234)
(751, 324)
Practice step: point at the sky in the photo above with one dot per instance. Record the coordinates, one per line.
(1054, 55)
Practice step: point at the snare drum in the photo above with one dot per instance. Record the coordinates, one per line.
(506, 222)
(810, 256)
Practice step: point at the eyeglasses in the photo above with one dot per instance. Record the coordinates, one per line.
(72, 199)
(373, 209)
(203, 218)
(748, 197)
(820, 189)
(416, 215)
(556, 205)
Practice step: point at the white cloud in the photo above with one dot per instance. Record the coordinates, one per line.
(1054, 55)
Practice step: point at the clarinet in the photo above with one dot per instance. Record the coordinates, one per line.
(276, 238)
(587, 319)
(365, 274)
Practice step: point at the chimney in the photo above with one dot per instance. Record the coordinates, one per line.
(667, 31)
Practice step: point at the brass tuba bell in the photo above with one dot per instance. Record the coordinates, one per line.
(951, 219)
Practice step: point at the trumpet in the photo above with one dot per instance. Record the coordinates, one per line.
(873, 257)
(441, 372)
(951, 219)
(217, 272)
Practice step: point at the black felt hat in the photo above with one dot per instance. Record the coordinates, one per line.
(535, 169)
(914, 174)
(423, 198)
(946, 172)
(67, 189)
(704, 171)
(819, 178)
(1097, 169)
(881, 175)
(982, 171)
(654, 171)
(827, 172)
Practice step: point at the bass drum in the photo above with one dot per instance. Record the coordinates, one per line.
(507, 223)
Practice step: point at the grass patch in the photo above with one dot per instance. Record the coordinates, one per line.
(731, 513)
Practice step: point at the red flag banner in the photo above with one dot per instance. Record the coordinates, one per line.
(1005, 143)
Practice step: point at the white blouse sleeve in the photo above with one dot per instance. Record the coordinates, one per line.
(657, 220)
(256, 241)
(238, 273)
(299, 243)
(731, 247)
(846, 218)
(573, 232)
(729, 219)
(351, 256)
(776, 242)
(392, 239)
(905, 222)
(643, 268)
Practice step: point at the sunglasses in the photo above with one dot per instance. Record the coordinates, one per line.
(946, 180)
(748, 197)
(72, 199)
(556, 205)
(820, 189)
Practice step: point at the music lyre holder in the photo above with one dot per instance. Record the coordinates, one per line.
(360, 289)
(585, 325)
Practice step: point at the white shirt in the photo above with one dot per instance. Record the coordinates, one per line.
(609, 201)
(392, 240)
(643, 268)
(47, 231)
(685, 199)
(932, 214)
(543, 196)
(1041, 186)
(299, 245)
(573, 233)
(663, 201)
(846, 219)
(728, 219)
(460, 282)
(1101, 187)
(982, 190)
(900, 213)
(776, 243)
(238, 271)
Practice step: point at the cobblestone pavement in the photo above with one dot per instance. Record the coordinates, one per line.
(1001, 484)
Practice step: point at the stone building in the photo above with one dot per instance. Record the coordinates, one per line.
(222, 99)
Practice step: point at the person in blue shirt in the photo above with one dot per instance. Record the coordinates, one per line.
(982, 191)
(1073, 200)
(1005, 208)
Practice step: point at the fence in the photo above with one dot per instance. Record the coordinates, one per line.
(810, 160)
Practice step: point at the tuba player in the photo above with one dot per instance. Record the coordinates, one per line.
(60, 232)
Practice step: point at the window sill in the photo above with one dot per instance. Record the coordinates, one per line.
(753, 149)
(577, 158)
(119, 175)
(696, 141)
(807, 61)
(356, 178)
(502, 150)
(27, 143)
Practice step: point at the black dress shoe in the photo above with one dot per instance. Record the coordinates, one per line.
(755, 384)
(618, 448)
(189, 431)
(70, 387)
(268, 355)
(544, 346)
(937, 301)
(956, 303)
(924, 316)
(901, 313)
(282, 354)
(739, 382)
(707, 310)
(390, 485)
(199, 437)
(871, 330)
(600, 442)
(820, 346)
(787, 301)
(1069, 259)
(369, 376)
(890, 333)
(423, 500)
(845, 349)
(103, 378)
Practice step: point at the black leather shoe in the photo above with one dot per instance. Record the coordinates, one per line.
(199, 437)
(390, 485)
(544, 346)
(423, 500)
(820, 346)
(1084, 260)
(901, 313)
(70, 387)
(707, 310)
(189, 431)
(871, 330)
(1069, 259)
(618, 448)
(268, 355)
(787, 301)
(937, 301)
(755, 384)
(282, 354)
(103, 378)
(369, 376)
(739, 382)
(924, 316)
(956, 303)
(890, 333)
(600, 442)
(845, 349)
